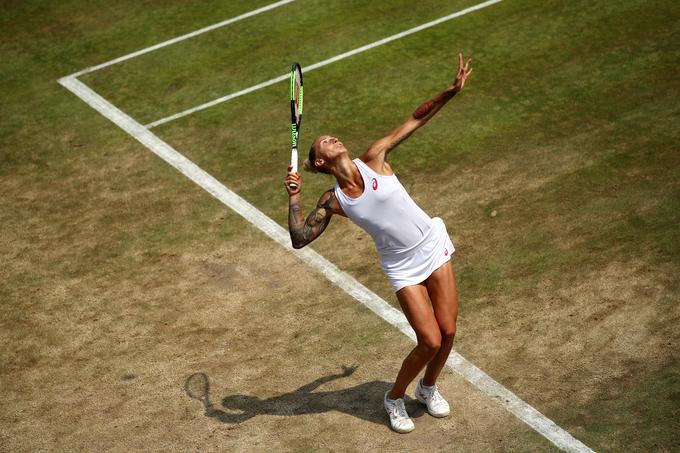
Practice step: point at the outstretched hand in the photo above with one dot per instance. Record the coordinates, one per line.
(463, 73)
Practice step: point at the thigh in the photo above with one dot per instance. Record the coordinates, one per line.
(416, 307)
(441, 287)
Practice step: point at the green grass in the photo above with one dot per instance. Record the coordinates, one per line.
(212, 65)
(567, 130)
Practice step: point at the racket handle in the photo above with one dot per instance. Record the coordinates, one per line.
(294, 164)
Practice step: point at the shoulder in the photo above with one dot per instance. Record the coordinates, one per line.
(329, 202)
(380, 166)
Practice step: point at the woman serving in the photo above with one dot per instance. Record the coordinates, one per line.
(415, 250)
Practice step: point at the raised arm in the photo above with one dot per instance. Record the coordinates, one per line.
(302, 232)
(378, 151)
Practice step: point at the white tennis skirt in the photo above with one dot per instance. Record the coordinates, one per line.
(414, 265)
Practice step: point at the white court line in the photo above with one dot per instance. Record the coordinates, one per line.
(183, 37)
(323, 63)
(529, 415)
(219, 100)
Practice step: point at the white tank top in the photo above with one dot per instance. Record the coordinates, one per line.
(385, 211)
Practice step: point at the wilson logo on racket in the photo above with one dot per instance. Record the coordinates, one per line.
(374, 183)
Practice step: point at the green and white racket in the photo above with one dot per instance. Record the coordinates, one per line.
(295, 114)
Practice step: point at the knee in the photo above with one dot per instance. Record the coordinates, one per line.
(430, 343)
(448, 333)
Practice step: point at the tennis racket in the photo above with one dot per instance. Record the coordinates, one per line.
(295, 114)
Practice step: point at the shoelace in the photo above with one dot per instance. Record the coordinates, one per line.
(435, 396)
(399, 410)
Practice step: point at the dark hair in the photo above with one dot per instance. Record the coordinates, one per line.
(309, 165)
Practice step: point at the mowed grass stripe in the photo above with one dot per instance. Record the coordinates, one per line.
(240, 55)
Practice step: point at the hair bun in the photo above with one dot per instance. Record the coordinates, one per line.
(308, 166)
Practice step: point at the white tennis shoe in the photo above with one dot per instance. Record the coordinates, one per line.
(435, 402)
(399, 419)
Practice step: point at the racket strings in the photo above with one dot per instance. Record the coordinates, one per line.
(197, 386)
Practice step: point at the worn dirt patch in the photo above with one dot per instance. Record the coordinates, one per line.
(272, 349)
(103, 327)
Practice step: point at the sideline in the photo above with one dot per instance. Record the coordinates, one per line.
(529, 415)
(323, 63)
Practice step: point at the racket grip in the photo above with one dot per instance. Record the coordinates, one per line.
(294, 159)
(294, 164)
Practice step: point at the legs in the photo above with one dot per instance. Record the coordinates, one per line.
(414, 304)
(435, 328)
(441, 286)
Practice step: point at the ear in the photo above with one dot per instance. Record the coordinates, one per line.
(319, 162)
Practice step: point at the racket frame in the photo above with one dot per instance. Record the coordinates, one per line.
(295, 116)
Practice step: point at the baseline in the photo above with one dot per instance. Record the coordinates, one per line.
(523, 411)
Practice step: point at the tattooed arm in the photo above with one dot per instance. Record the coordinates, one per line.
(378, 151)
(302, 231)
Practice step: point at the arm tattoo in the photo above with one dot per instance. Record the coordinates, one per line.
(294, 215)
(423, 110)
(433, 104)
(302, 233)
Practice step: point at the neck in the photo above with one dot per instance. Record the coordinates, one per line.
(346, 173)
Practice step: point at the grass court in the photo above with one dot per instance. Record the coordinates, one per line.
(556, 171)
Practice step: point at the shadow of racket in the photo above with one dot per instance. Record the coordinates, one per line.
(197, 387)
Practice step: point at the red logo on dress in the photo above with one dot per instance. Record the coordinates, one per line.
(446, 252)
(374, 184)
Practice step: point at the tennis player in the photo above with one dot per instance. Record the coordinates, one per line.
(415, 250)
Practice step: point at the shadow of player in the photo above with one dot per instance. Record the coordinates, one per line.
(364, 401)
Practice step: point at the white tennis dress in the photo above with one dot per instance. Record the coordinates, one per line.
(411, 245)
